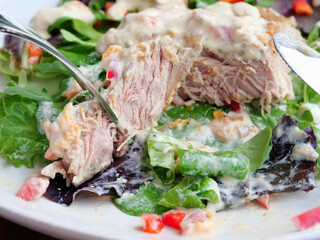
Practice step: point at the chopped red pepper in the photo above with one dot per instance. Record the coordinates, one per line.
(302, 7)
(96, 24)
(264, 201)
(307, 219)
(151, 223)
(33, 188)
(111, 74)
(35, 54)
(107, 6)
(234, 107)
(173, 218)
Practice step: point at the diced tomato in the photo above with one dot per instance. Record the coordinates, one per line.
(264, 201)
(151, 223)
(234, 107)
(302, 7)
(96, 24)
(111, 74)
(307, 219)
(107, 6)
(232, 1)
(33, 188)
(35, 54)
(173, 218)
(126, 14)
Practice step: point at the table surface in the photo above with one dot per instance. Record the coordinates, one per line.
(10, 230)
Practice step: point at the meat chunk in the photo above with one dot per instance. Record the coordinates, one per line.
(146, 78)
(83, 136)
(222, 78)
(238, 62)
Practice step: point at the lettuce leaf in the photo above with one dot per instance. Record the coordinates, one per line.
(191, 192)
(20, 139)
(145, 201)
(206, 164)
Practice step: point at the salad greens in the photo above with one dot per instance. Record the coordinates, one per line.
(145, 201)
(20, 140)
(191, 192)
(205, 164)
(185, 175)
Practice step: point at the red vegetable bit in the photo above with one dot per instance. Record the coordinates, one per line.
(35, 54)
(151, 223)
(111, 75)
(307, 219)
(232, 1)
(302, 7)
(96, 24)
(107, 6)
(264, 201)
(33, 188)
(234, 107)
(173, 218)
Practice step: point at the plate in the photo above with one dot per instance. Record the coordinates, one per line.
(97, 218)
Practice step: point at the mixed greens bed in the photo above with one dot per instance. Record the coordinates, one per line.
(178, 175)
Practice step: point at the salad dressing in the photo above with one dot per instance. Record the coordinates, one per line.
(47, 16)
(236, 30)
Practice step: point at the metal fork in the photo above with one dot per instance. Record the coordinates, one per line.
(11, 26)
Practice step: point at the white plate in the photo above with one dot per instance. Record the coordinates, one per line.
(98, 218)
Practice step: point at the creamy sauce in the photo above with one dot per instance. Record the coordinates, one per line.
(92, 73)
(234, 30)
(233, 127)
(314, 109)
(46, 17)
(117, 10)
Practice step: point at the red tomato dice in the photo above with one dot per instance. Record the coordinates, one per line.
(307, 219)
(173, 218)
(33, 188)
(234, 107)
(151, 223)
(302, 7)
(264, 201)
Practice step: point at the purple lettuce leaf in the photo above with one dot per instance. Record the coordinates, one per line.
(305, 22)
(14, 45)
(125, 175)
(282, 172)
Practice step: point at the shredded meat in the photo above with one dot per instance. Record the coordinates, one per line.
(85, 137)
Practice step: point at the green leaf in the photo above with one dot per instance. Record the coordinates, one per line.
(145, 201)
(61, 2)
(162, 162)
(257, 148)
(264, 3)
(269, 119)
(19, 138)
(70, 37)
(28, 92)
(196, 111)
(54, 67)
(205, 164)
(80, 59)
(191, 192)
(86, 30)
(313, 35)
